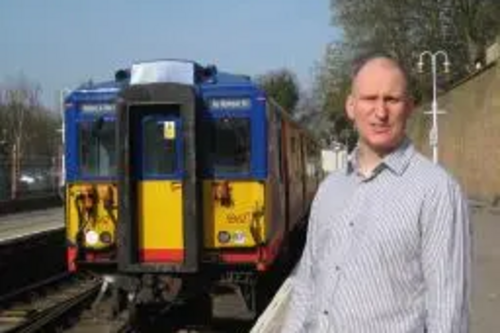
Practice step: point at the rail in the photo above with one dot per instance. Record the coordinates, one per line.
(27, 312)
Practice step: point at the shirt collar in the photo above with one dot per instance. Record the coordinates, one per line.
(396, 161)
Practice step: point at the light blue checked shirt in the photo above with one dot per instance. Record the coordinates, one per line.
(385, 253)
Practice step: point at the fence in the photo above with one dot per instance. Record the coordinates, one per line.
(30, 177)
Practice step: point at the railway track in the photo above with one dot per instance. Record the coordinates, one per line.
(57, 305)
(74, 304)
(70, 304)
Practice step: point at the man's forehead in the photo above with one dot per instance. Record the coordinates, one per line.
(380, 73)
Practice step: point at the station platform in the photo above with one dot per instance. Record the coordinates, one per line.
(32, 248)
(14, 227)
(271, 320)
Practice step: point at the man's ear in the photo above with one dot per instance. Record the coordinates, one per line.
(349, 107)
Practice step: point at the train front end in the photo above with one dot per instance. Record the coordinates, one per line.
(194, 204)
(91, 169)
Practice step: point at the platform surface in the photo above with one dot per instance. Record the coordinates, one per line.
(22, 225)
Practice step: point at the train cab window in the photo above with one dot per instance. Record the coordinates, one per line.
(97, 151)
(230, 145)
(160, 152)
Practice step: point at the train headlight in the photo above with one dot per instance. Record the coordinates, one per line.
(224, 237)
(106, 237)
(91, 237)
(239, 237)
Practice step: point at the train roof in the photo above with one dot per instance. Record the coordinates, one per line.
(90, 91)
(100, 86)
(206, 78)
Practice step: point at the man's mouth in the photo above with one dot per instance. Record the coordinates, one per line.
(380, 128)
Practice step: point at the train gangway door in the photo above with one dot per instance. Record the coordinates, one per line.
(271, 320)
(160, 189)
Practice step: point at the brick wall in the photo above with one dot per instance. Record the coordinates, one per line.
(469, 133)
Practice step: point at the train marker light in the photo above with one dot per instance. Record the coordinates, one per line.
(239, 237)
(224, 237)
(91, 237)
(106, 237)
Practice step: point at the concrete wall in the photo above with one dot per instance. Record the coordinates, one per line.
(469, 134)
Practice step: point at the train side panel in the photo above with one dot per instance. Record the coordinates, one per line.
(313, 169)
(294, 172)
(276, 198)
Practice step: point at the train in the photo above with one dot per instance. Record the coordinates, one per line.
(181, 178)
(90, 169)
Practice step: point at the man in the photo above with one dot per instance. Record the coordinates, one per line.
(388, 242)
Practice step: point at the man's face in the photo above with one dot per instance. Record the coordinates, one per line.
(379, 105)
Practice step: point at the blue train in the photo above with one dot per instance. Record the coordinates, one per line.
(181, 178)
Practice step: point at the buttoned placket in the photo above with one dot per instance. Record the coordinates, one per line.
(349, 225)
(352, 224)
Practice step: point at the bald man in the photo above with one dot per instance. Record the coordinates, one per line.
(388, 244)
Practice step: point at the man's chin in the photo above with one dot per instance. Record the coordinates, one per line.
(383, 146)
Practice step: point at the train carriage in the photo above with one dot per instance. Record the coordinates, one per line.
(213, 178)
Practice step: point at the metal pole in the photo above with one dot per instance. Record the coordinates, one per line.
(62, 174)
(434, 131)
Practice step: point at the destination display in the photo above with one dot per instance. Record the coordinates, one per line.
(229, 103)
(97, 108)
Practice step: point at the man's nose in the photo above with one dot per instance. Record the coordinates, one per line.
(381, 111)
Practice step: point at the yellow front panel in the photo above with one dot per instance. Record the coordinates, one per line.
(160, 219)
(235, 209)
(92, 210)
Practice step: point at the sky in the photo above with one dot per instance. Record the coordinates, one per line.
(68, 42)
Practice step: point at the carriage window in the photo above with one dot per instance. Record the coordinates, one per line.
(159, 147)
(230, 145)
(97, 151)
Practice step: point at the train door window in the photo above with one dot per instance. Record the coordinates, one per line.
(159, 147)
(230, 145)
(97, 153)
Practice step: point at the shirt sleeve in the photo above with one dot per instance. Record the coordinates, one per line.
(446, 259)
(302, 284)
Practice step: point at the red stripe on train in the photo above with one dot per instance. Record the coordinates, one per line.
(263, 256)
(161, 255)
(71, 257)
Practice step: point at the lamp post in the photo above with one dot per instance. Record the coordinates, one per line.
(62, 163)
(434, 132)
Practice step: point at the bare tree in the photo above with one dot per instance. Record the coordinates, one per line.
(26, 127)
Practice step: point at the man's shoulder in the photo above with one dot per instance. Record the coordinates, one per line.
(433, 174)
(332, 187)
(334, 179)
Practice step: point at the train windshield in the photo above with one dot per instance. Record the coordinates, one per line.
(230, 145)
(97, 147)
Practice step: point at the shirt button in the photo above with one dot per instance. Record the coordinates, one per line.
(351, 224)
(337, 268)
(325, 312)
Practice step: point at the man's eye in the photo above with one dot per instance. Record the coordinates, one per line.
(393, 100)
